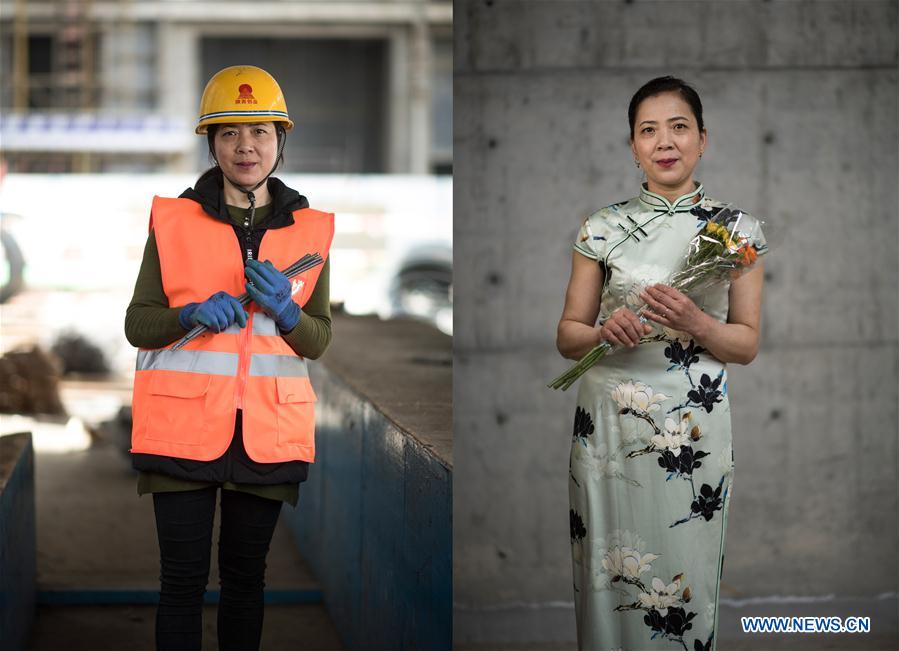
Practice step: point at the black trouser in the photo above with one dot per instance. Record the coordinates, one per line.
(184, 526)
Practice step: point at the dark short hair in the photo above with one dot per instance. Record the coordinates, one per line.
(661, 85)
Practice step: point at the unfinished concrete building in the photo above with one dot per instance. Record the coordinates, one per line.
(103, 86)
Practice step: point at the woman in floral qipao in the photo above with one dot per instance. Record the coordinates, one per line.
(651, 458)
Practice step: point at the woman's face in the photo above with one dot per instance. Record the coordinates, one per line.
(246, 152)
(665, 129)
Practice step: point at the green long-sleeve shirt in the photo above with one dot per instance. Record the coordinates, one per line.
(151, 323)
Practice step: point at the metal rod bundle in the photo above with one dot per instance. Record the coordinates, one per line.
(305, 263)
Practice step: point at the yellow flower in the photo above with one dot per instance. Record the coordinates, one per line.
(719, 232)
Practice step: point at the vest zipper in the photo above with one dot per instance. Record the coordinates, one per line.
(243, 364)
(248, 240)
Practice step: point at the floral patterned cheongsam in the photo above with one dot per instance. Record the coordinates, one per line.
(651, 458)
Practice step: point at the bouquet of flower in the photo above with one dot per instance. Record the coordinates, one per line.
(726, 247)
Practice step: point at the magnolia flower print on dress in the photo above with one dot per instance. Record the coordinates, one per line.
(670, 334)
(595, 455)
(620, 545)
(661, 596)
(626, 563)
(578, 531)
(674, 436)
(683, 355)
(673, 445)
(665, 604)
(637, 396)
(707, 394)
(597, 458)
(583, 423)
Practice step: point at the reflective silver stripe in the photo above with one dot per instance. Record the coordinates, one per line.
(191, 361)
(233, 329)
(264, 325)
(278, 366)
(221, 114)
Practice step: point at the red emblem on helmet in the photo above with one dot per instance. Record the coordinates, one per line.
(245, 95)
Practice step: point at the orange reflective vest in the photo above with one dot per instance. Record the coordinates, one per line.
(185, 401)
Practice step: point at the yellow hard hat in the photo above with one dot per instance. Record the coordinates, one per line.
(242, 94)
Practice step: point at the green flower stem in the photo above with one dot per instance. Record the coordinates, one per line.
(570, 376)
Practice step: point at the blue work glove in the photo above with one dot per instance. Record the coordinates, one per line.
(271, 290)
(216, 313)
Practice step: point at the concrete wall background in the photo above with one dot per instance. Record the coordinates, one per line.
(801, 104)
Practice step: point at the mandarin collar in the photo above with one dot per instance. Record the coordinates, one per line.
(684, 203)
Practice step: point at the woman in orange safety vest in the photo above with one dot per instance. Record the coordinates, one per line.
(233, 408)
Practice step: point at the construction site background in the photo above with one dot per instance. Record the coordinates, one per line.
(91, 86)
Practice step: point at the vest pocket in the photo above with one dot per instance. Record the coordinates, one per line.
(296, 411)
(177, 407)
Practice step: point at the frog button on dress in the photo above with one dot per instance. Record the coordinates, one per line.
(651, 458)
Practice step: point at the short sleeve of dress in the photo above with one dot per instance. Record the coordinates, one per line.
(758, 239)
(584, 242)
(591, 238)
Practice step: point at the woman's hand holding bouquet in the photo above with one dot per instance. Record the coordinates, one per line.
(671, 308)
(623, 328)
(727, 246)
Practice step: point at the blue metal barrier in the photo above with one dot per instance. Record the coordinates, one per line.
(374, 521)
(18, 550)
